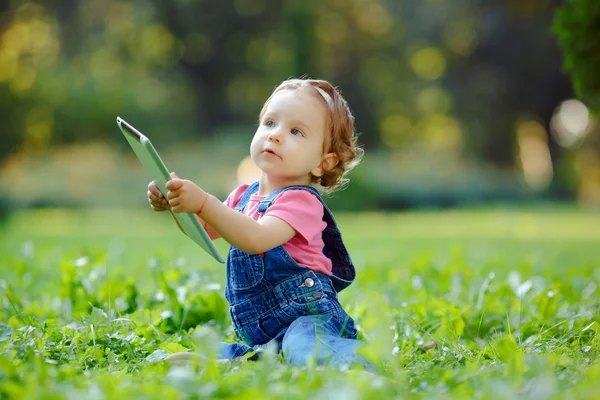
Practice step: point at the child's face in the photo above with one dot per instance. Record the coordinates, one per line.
(288, 144)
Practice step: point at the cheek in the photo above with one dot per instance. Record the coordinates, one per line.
(318, 154)
(255, 144)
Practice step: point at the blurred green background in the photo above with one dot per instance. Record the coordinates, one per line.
(478, 116)
(458, 102)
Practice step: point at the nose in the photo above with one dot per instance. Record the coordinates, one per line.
(274, 135)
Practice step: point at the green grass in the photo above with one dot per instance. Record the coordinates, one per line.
(92, 301)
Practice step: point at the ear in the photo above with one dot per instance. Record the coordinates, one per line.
(328, 162)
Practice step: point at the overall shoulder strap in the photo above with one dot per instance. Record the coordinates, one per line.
(252, 189)
(267, 201)
(343, 270)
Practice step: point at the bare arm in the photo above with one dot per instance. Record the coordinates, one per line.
(236, 228)
(243, 232)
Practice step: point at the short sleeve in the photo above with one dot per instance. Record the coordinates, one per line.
(234, 197)
(302, 210)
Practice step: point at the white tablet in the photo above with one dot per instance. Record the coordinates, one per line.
(159, 173)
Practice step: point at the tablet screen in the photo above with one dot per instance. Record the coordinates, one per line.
(159, 173)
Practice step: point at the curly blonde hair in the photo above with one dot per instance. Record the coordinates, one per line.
(342, 139)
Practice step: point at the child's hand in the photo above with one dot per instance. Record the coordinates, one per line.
(156, 199)
(184, 195)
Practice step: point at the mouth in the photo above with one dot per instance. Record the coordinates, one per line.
(271, 151)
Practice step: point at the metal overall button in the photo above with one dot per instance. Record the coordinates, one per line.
(308, 282)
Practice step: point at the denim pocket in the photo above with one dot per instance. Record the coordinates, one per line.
(246, 270)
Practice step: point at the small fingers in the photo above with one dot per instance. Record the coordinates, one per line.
(174, 202)
(153, 188)
(157, 207)
(174, 184)
(157, 203)
(156, 199)
(171, 194)
(153, 197)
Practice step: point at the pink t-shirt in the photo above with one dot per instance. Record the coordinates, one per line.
(303, 211)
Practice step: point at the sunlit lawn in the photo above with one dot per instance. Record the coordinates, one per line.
(91, 302)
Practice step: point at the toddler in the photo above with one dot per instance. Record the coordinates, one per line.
(287, 260)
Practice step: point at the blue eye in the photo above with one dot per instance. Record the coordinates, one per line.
(297, 132)
(270, 123)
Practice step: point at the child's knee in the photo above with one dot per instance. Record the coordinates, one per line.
(300, 340)
(306, 326)
(298, 335)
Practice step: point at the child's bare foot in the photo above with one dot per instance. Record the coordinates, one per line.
(182, 358)
(429, 346)
(185, 357)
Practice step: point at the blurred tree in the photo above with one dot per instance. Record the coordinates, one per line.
(67, 72)
(298, 24)
(454, 77)
(513, 74)
(577, 25)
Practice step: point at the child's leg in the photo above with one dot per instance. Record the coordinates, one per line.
(317, 337)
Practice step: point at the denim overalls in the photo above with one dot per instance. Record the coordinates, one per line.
(273, 299)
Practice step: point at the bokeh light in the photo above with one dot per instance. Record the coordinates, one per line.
(428, 63)
(534, 154)
(39, 124)
(587, 166)
(460, 36)
(395, 130)
(28, 44)
(570, 122)
(331, 28)
(372, 17)
(442, 132)
(8, 64)
(426, 79)
(434, 100)
(158, 45)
